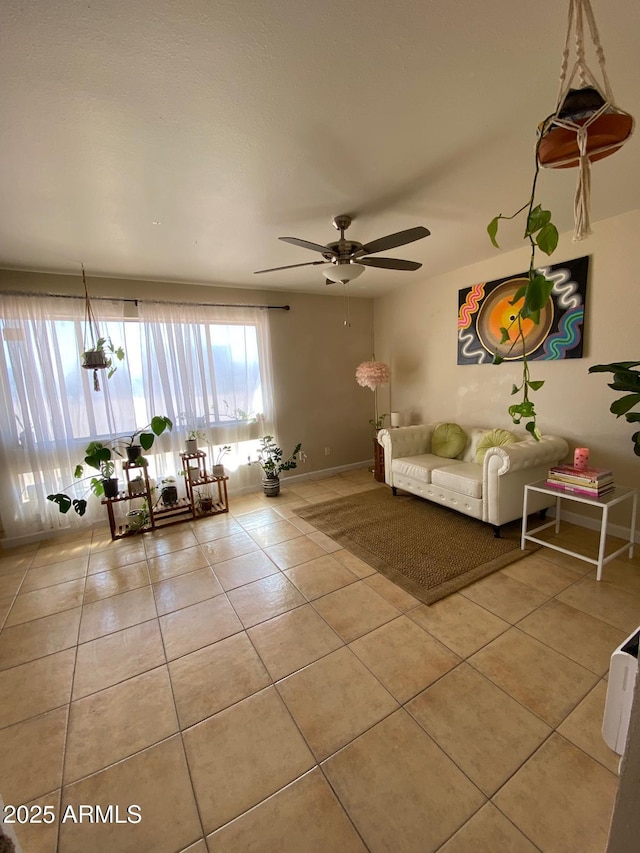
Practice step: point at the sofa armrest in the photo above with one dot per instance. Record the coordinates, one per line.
(404, 441)
(528, 453)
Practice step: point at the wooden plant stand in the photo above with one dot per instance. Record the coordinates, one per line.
(185, 509)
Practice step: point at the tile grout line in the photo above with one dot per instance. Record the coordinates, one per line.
(245, 631)
(180, 730)
(68, 721)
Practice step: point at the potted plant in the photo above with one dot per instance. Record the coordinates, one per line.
(377, 424)
(217, 468)
(99, 352)
(97, 456)
(138, 519)
(142, 439)
(168, 490)
(192, 439)
(100, 455)
(205, 500)
(272, 464)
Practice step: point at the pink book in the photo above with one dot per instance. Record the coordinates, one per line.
(581, 490)
(585, 473)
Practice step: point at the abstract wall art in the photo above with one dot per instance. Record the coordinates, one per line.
(485, 308)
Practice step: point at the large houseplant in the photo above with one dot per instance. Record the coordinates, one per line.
(272, 464)
(626, 378)
(100, 456)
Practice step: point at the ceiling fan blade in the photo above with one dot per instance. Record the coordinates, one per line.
(291, 266)
(390, 263)
(401, 238)
(305, 244)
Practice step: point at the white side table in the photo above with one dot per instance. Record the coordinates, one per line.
(620, 494)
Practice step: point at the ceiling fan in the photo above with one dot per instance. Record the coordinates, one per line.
(348, 258)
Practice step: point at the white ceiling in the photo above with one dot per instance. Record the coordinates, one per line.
(234, 122)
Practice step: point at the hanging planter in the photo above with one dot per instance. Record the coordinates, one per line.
(586, 125)
(99, 352)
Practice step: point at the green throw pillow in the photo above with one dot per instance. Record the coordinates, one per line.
(448, 440)
(493, 438)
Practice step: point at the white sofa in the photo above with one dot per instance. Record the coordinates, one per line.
(491, 491)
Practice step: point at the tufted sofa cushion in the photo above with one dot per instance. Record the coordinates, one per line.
(493, 438)
(417, 467)
(448, 440)
(462, 477)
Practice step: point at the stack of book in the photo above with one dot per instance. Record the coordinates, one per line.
(590, 482)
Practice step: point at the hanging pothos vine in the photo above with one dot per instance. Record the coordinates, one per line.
(542, 234)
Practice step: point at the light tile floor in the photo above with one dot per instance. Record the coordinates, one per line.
(250, 685)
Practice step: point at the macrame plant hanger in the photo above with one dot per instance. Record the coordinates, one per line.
(96, 360)
(586, 125)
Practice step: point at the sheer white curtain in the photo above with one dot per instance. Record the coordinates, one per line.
(48, 408)
(208, 369)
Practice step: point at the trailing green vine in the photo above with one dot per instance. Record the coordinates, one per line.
(542, 234)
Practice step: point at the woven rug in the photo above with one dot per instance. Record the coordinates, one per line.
(427, 549)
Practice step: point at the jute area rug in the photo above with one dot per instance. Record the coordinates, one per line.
(428, 550)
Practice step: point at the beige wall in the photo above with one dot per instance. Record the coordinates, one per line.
(318, 401)
(415, 332)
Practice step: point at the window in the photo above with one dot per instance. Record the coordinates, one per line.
(206, 368)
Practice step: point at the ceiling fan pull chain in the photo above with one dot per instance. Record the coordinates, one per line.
(347, 311)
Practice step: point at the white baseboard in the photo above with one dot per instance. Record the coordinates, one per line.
(329, 472)
(618, 530)
(312, 475)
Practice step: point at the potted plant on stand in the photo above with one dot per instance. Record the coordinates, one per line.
(205, 501)
(272, 464)
(99, 455)
(192, 439)
(142, 439)
(217, 468)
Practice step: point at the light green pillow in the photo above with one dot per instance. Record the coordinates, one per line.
(493, 438)
(448, 440)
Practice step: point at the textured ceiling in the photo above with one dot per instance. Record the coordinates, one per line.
(233, 122)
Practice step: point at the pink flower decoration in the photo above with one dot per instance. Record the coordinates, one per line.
(370, 374)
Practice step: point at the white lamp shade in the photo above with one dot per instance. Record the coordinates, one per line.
(343, 272)
(395, 419)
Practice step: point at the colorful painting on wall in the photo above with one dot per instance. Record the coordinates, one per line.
(484, 308)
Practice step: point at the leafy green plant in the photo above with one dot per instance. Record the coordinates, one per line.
(542, 234)
(146, 436)
(270, 457)
(625, 378)
(220, 452)
(197, 435)
(105, 345)
(100, 456)
(377, 423)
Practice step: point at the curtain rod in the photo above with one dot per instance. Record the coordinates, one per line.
(151, 301)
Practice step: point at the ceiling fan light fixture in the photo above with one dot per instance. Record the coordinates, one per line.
(343, 272)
